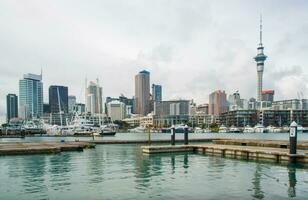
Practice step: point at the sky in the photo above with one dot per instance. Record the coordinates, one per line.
(191, 47)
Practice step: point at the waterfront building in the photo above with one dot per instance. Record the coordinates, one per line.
(290, 104)
(30, 96)
(116, 110)
(71, 103)
(142, 93)
(200, 119)
(203, 108)
(133, 121)
(218, 103)
(235, 101)
(268, 95)
(94, 103)
(129, 103)
(11, 107)
(147, 121)
(239, 118)
(252, 104)
(260, 59)
(156, 92)
(167, 113)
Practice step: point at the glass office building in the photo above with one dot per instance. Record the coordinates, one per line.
(31, 96)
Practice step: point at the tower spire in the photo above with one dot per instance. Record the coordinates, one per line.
(260, 29)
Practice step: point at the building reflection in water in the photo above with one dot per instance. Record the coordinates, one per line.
(59, 169)
(147, 166)
(33, 169)
(292, 181)
(256, 181)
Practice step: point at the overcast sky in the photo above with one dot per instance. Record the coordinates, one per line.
(190, 47)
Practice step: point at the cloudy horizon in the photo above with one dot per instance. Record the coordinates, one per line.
(191, 48)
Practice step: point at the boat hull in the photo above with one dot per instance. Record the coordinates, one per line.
(109, 133)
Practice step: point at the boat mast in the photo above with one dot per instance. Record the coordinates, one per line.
(59, 103)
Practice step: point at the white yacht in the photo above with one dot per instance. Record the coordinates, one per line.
(223, 129)
(234, 129)
(248, 129)
(259, 128)
(109, 129)
(139, 129)
(198, 130)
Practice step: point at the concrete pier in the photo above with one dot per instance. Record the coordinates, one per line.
(247, 152)
(284, 144)
(25, 148)
(157, 141)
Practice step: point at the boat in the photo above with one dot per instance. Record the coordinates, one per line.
(234, 129)
(223, 129)
(248, 129)
(259, 128)
(139, 129)
(302, 129)
(198, 130)
(109, 129)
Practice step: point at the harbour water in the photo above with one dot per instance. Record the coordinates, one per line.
(123, 172)
(155, 136)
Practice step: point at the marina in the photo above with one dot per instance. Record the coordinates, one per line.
(124, 172)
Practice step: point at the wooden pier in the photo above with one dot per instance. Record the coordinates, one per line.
(24, 148)
(240, 151)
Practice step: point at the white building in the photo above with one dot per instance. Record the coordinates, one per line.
(94, 100)
(116, 110)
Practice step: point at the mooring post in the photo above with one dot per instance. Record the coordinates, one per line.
(172, 135)
(293, 141)
(186, 135)
(149, 135)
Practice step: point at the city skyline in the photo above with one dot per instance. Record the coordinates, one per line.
(212, 58)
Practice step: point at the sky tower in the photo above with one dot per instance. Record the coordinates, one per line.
(260, 58)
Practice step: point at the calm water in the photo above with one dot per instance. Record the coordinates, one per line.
(123, 172)
(144, 136)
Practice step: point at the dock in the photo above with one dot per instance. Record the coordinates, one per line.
(25, 148)
(284, 144)
(250, 150)
(154, 141)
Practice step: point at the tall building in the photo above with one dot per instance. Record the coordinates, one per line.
(58, 103)
(156, 92)
(260, 58)
(11, 107)
(142, 93)
(116, 110)
(268, 95)
(94, 99)
(71, 103)
(218, 102)
(30, 96)
(80, 108)
(58, 99)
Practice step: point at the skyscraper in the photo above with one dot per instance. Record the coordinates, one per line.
(142, 92)
(156, 92)
(260, 58)
(218, 103)
(58, 99)
(31, 96)
(71, 103)
(94, 101)
(11, 107)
